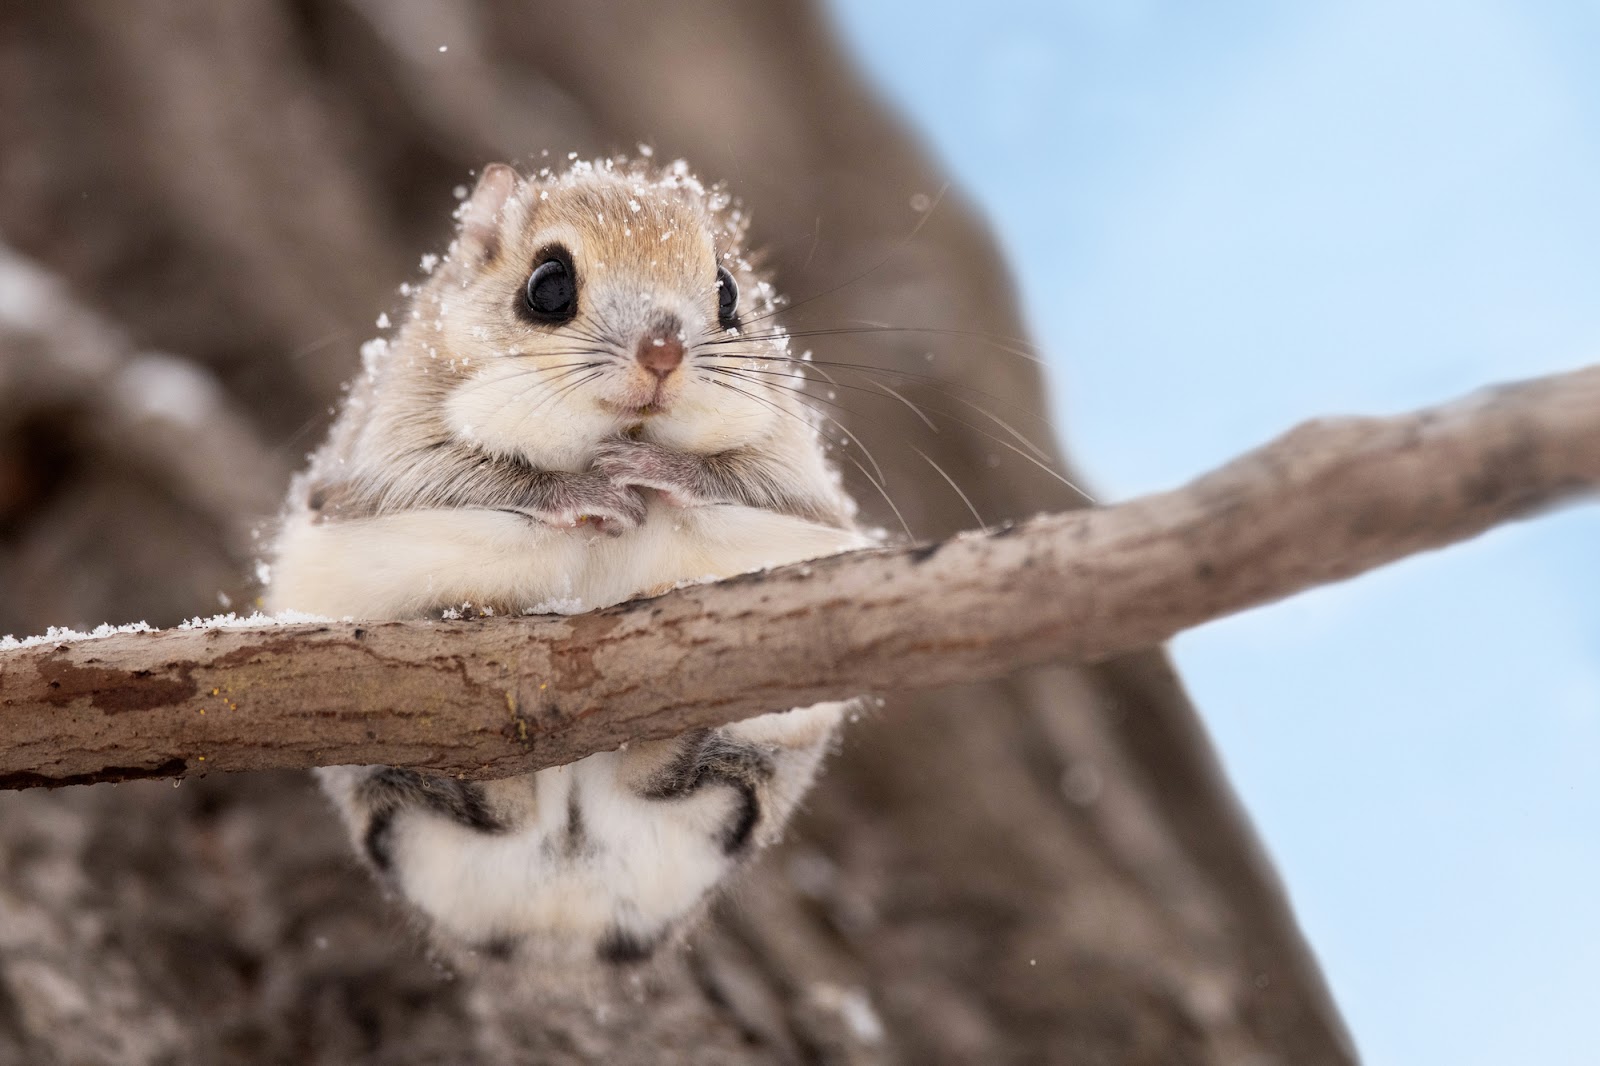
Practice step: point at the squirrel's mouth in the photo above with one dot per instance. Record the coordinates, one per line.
(633, 410)
(647, 400)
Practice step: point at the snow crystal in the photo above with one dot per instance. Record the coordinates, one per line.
(372, 353)
(254, 619)
(428, 262)
(66, 634)
(383, 320)
(569, 605)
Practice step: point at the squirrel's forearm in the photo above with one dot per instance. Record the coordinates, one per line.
(755, 480)
(446, 478)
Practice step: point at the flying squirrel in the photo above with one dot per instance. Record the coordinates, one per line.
(572, 412)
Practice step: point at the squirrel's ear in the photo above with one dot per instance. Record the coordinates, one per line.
(483, 213)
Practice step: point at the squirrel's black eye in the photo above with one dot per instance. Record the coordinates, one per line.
(727, 300)
(551, 294)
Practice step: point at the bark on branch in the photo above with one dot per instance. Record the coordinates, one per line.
(494, 697)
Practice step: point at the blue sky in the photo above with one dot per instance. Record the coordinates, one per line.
(1230, 217)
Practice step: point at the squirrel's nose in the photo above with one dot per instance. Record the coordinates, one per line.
(660, 351)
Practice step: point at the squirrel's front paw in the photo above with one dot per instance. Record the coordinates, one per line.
(589, 502)
(679, 477)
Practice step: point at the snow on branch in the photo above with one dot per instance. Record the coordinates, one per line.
(499, 696)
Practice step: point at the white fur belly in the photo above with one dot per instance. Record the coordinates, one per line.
(404, 565)
(641, 863)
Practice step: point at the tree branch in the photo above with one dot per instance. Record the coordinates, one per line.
(149, 409)
(494, 697)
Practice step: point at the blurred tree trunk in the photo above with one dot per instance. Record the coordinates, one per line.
(1048, 869)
